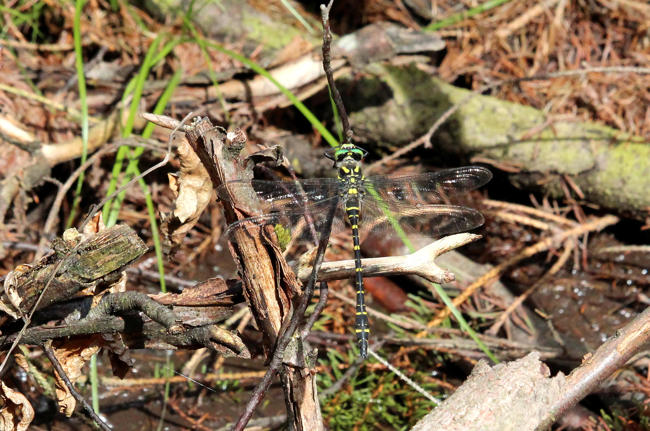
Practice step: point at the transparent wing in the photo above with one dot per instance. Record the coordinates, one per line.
(295, 231)
(300, 230)
(434, 187)
(391, 219)
(411, 206)
(268, 196)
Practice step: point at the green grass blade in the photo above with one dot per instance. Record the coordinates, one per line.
(299, 17)
(162, 102)
(133, 171)
(316, 124)
(461, 16)
(462, 322)
(94, 383)
(81, 84)
(138, 86)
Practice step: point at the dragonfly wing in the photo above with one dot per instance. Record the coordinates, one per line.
(298, 229)
(433, 187)
(386, 219)
(268, 196)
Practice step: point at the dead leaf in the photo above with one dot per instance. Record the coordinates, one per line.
(16, 413)
(193, 190)
(72, 355)
(11, 300)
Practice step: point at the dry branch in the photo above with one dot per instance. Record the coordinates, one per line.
(269, 285)
(421, 262)
(95, 263)
(186, 320)
(520, 395)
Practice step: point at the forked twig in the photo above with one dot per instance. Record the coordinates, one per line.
(420, 262)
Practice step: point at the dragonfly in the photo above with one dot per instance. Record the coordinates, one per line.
(377, 206)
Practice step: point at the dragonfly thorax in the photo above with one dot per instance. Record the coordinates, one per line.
(347, 159)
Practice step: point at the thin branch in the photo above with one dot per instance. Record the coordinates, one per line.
(421, 262)
(322, 300)
(609, 357)
(327, 45)
(47, 348)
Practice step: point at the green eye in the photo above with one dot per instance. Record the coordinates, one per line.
(339, 154)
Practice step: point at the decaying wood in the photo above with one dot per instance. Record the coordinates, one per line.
(96, 263)
(521, 395)
(269, 284)
(610, 168)
(164, 321)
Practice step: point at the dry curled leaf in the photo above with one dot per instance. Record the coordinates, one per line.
(72, 355)
(16, 413)
(193, 189)
(11, 300)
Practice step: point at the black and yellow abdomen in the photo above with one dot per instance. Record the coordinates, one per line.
(352, 177)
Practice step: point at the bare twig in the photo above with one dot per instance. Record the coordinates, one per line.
(421, 262)
(47, 348)
(322, 301)
(530, 210)
(327, 44)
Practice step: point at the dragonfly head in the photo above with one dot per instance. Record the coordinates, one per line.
(346, 155)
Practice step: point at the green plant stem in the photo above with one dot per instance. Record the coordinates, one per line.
(316, 124)
(138, 85)
(461, 16)
(81, 84)
(94, 383)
